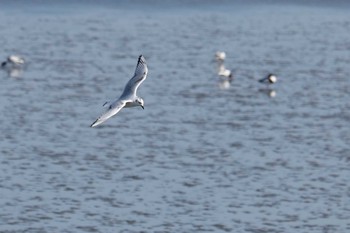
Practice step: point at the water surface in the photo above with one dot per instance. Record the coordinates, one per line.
(198, 158)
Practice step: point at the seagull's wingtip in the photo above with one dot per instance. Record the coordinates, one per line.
(142, 59)
(93, 124)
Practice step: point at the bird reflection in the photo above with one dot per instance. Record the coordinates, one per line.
(14, 72)
(224, 82)
(271, 93)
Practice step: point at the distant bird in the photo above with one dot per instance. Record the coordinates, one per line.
(220, 56)
(226, 73)
(223, 72)
(128, 97)
(225, 77)
(269, 79)
(14, 61)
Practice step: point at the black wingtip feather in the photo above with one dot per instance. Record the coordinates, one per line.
(92, 125)
(141, 59)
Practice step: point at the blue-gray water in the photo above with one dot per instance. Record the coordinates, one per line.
(198, 158)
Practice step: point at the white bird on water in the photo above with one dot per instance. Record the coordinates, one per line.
(222, 71)
(128, 98)
(13, 60)
(220, 56)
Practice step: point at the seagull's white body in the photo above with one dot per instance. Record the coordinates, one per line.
(225, 73)
(220, 56)
(129, 97)
(222, 71)
(13, 60)
(269, 79)
(16, 59)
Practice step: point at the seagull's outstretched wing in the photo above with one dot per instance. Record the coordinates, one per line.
(113, 109)
(139, 76)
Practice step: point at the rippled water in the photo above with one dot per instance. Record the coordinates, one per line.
(198, 158)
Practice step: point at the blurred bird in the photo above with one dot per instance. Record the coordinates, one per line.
(269, 79)
(222, 71)
(220, 56)
(269, 92)
(14, 61)
(225, 77)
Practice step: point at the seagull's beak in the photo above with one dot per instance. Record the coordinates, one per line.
(142, 107)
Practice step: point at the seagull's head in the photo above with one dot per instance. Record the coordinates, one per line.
(220, 56)
(140, 102)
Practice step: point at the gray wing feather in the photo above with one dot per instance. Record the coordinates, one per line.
(113, 109)
(139, 76)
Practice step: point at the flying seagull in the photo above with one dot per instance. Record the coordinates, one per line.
(128, 97)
